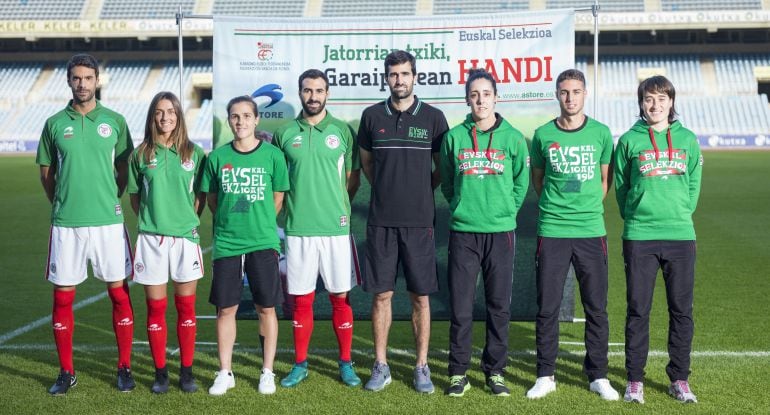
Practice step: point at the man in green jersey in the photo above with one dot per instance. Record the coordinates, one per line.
(321, 155)
(83, 155)
(570, 172)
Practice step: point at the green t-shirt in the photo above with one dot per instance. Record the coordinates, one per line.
(167, 188)
(571, 201)
(244, 183)
(83, 150)
(318, 158)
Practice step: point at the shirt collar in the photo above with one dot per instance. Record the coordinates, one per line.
(413, 109)
(73, 113)
(303, 124)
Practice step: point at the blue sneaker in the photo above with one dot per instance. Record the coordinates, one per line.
(380, 377)
(348, 374)
(422, 382)
(297, 374)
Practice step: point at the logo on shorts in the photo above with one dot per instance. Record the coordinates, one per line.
(139, 267)
(196, 265)
(343, 221)
(59, 327)
(52, 268)
(188, 165)
(154, 327)
(332, 141)
(69, 132)
(104, 130)
(125, 322)
(118, 210)
(188, 323)
(297, 141)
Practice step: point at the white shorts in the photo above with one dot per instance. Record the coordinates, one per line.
(159, 256)
(329, 256)
(70, 250)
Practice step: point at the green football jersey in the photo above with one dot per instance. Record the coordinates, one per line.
(83, 150)
(167, 187)
(244, 183)
(571, 201)
(318, 158)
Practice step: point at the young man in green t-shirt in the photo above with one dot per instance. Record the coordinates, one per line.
(244, 182)
(322, 157)
(83, 155)
(570, 172)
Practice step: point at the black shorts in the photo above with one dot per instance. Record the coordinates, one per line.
(413, 248)
(261, 268)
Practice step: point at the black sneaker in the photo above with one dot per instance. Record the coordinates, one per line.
(64, 382)
(125, 380)
(186, 380)
(458, 385)
(161, 381)
(496, 384)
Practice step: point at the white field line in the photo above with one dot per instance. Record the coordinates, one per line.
(47, 319)
(211, 347)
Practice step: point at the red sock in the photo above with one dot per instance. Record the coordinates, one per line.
(122, 323)
(157, 331)
(63, 322)
(342, 319)
(186, 328)
(303, 325)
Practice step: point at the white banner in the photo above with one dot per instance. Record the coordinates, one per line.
(524, 51)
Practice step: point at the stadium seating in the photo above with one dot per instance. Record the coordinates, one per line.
(735, 72)
(202, 126)
(16, 79)
(618, 74)
(695, 5)
(262, 8)
(477, 6)
(359, 8)
(41, 9)
(124, 78)
(144, 9)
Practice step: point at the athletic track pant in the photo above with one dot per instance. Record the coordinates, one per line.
(493, 254)
(642, 261)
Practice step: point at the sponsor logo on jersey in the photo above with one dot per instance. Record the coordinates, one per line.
(343, 221)
(381, 131)
(153, 163)
(188, 323)
(332, 141)
(188, 165)
(125, 322)
(421, 133)
(345, 326)
(296, 142)
(154, 327)
(69, 132)
(59, 327)
(139, 267)
(104, 130)
(118, 210)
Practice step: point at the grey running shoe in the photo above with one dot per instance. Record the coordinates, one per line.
(422, 382)
(634, 392)
(380, 377)
(680, 390)
(496, 384)
(458, 385)
(63, 383)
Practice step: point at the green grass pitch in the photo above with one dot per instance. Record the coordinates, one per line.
(731, 356)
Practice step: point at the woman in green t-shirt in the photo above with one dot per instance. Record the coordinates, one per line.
(162, 175)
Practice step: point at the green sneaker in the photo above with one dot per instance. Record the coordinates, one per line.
(298, 374)
(496, 384)
(348, 374)
(458, 385)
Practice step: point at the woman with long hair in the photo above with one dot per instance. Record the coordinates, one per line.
(164, 171)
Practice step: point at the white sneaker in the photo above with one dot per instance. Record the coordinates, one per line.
(604, 389)
(224, 381)
(267, 382)
(634, 392)
(680, 390)
(543, 386)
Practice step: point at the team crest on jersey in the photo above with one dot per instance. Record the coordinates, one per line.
(343, 221)
(332, 141)
(69, 132)
(296, 142)
(104, 130)
(118, 210)
(188, 165)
